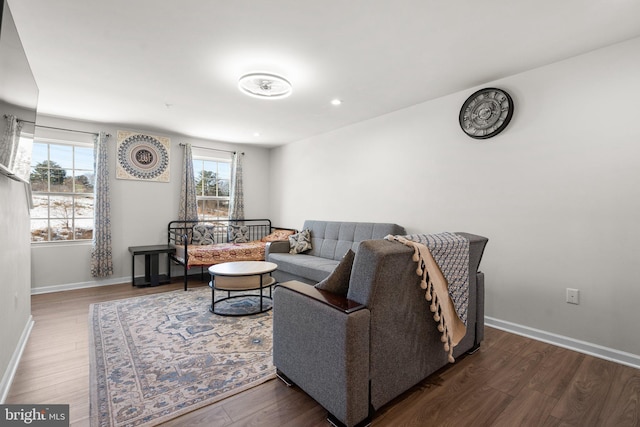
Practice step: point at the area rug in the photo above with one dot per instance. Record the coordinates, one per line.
(156, 357)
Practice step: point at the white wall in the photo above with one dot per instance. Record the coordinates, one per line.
(15, 300)
(140, 212)
(557, 193)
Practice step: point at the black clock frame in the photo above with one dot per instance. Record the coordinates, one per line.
(471, 98)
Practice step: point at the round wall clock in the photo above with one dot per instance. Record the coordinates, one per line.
(486, 113)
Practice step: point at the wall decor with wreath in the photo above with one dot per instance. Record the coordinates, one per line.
(142, 157)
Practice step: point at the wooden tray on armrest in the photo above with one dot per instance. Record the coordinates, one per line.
(333, 300)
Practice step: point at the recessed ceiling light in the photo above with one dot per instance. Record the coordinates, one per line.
(265, 86)
(256, 134)
(336, 101)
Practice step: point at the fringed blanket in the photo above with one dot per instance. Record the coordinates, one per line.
(443, 264)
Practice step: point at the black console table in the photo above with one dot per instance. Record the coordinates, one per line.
(151, 263)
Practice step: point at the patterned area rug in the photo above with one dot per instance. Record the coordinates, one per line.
(156, 357)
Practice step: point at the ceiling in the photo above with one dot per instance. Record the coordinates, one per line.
(174, 66)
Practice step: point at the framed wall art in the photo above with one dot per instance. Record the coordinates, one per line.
(142, 157)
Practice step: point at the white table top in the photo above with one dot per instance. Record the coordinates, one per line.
(242, 268)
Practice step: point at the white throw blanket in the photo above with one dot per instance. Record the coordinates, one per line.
(443, 264)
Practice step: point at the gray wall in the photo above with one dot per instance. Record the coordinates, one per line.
(15, 300)
(556, 193)
(140, 211)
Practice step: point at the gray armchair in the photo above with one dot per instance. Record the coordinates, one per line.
(355, 354)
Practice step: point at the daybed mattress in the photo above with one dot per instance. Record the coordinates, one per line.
(222, 252)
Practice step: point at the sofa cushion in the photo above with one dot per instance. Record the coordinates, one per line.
(310, 267)
(338, 280)
(238, 233)
(203, 234)
(277, 235)
(332, 239)
(300, 242)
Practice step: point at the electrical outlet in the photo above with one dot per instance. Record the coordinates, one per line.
(573, 296)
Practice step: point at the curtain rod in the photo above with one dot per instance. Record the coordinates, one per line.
(213, 149)
(55, 128)
(67, 130)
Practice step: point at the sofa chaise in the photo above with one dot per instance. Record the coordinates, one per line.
(356, 353)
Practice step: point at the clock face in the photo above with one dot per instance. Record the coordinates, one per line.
(486, 113)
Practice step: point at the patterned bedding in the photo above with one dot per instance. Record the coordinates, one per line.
(221, 241)
(222, 252)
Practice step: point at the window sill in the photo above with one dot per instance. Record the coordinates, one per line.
(59, 243)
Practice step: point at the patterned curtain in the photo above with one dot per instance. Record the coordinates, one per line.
(24, 148)
(10, 141)
(188, 210)
(236, 202)
(101, 254)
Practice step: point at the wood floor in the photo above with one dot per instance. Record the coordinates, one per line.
(511, 381)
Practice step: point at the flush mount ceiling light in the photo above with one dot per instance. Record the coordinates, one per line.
(265, 86)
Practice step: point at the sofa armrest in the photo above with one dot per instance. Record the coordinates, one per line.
(336, 301)
(323, 350)
(279, 246)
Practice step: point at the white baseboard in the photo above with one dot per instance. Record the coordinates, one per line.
(624, 358)
(80, 285)
(10, 373)
(92, 284)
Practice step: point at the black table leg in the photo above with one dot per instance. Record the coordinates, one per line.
(152, 276)
(152, 269)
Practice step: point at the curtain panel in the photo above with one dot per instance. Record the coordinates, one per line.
(188, 209)
(101, 252)
(236, 202)
(10, 143)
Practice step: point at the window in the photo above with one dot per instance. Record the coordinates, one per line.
(213, 181)
(62, 176)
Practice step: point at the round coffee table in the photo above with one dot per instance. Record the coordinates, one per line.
(242, 276)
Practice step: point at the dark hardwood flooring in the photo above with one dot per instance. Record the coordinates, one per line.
(511, 381)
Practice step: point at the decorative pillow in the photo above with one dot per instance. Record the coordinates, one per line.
(238, 233)
(203, 234)
(277, 235)
(300, 242)
(338, 281)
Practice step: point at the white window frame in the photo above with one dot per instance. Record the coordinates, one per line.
(73, 194)
(200, 197)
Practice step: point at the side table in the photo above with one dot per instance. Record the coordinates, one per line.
(151, 262)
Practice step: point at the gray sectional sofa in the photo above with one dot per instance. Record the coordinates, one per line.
(330, 241)
(355, 354)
